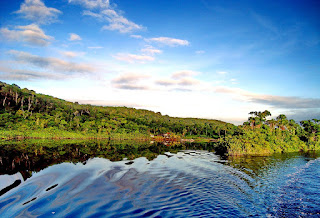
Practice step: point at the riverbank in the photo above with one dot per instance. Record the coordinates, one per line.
(52, 133)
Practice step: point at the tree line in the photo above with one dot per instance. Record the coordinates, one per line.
(25, 112)
(259, 135)
(23, 109)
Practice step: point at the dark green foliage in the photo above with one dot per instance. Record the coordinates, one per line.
(24, 111)
(261, 136)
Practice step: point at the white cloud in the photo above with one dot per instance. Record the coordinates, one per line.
(169, 41)
(50, 63)
(72, 54)
(200, 52)
(7, 73)
(180, 79)
(103, 12)
(234, 81)
(133, 58)
(136, 36)
(222, 72)
(118, 22)
(92, 4)
(36, 11)
(284, 102)
(31, 34)
(130, 81)
(184, 73)
(74, 37)
(95, 47)
(151, 50)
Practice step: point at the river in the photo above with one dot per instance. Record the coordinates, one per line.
(125, 180)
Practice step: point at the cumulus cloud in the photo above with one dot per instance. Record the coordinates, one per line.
(31, 34)
(36, 11)
(50, 63)
(133, 58)
(74, 37)
(102, 11)
(169, 41)
(130, 81)
(181, 78)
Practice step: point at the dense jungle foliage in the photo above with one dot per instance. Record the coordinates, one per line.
(25, 113)
(261, 136)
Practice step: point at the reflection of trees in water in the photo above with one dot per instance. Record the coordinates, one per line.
(258, 165)
(29, 156)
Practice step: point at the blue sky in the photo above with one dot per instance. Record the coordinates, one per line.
(206, 59)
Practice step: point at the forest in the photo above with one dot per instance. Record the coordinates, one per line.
(27, 114)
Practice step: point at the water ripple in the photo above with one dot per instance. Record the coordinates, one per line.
(189, 183)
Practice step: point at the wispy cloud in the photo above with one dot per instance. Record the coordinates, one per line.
(74, 37)
(72, 54)
(284, 102)
(7, 73)
(133, 58)
(136, 36)
(130, 81)
(50, 63)
(105, 13)
(169, 41)
(95, 47)
(36, 11)
(200, 52)
(150, 50)
(30, 34)
(180, 78)
(183, 74)
(222, 72)
(265, 22)
(92, 4)
(118, 22)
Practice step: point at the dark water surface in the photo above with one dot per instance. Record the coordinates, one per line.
(158, 181)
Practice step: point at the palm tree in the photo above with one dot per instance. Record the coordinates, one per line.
(282, 121)
(272, 123)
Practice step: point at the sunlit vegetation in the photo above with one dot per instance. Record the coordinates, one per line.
(261, 136)
(27, 114)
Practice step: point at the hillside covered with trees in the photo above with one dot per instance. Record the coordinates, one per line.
(261, 136)
(26, 113)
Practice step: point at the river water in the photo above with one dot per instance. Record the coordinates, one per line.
(171, 183)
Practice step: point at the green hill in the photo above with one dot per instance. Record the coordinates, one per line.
(25, 113)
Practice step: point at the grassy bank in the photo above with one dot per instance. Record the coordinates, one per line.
(52, 133)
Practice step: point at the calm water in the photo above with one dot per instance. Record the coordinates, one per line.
(159, 181)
